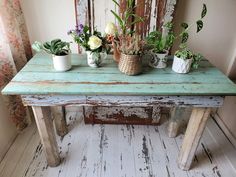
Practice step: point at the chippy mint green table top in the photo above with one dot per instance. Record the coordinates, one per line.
(39, 78)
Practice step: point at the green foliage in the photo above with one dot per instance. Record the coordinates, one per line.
(184, 34)
(186, 54)
(159, 43)
(55, 47)
(124, 22)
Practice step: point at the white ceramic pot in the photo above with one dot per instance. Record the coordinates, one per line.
(158, 60)
(61, 63)
(181, 66)
(95, 59)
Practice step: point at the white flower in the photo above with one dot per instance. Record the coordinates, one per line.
(94, 42)
(111, 28)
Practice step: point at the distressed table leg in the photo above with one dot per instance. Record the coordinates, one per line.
(58, 113)
(192, 137)
(47, 135)
(178, 117)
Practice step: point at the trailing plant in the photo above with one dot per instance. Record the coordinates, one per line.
(184, 52)
(55, 47)
(160, 43)
(90, 41)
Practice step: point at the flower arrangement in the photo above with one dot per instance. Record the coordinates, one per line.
(93, 43)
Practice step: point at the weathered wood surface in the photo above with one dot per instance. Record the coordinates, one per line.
(58, 113)
(134, 101)
(47, 135)
(192, 137)
(107, 80)
(121, 154)
(149, 115)
(97, 13)
(178, 118)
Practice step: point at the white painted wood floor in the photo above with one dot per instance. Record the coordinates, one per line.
(118, 151)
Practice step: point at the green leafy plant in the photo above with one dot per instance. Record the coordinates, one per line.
(184, 52)
(159, 43)
(199, 24)
(55, 47)
(129, 19)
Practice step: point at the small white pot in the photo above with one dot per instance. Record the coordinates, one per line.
(181, 66)
(94, 60)
(158, 60)
(61, 63)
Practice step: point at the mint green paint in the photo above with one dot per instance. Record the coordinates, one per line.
(39, 77)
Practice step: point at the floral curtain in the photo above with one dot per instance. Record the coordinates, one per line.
(15, 51)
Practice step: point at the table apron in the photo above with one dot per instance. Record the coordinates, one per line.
(134, 101)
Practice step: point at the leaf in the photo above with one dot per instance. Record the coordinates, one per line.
(120, 21)
(184, 25)
(185, 36)
(199, 25)
(116, 3)
(204, 10)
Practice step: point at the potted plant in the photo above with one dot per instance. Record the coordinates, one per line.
(184, 58)
(127, 45)
(93, 43)
(59, 50)
(160, 43)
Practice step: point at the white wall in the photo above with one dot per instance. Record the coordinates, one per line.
(7, 129)
(217, 42)
(49, 19)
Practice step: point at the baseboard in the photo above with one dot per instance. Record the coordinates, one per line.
(225, 129)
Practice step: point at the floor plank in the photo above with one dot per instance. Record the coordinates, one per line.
(120, 151)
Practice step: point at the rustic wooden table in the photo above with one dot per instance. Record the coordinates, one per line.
(41, 87)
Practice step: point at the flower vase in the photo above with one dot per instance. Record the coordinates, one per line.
(94, 59)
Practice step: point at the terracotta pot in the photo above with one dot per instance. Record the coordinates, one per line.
(117, 54)
(130, 64)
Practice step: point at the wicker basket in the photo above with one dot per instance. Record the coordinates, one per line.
(130, 64)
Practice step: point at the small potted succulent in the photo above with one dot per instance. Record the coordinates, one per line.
(160, 43)
(59, 50)
(127, 45)
(184, 58)
(93, 43)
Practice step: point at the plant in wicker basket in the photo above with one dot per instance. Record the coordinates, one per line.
(127, 45)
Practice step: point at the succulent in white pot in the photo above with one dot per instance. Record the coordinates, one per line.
(60, 52)
(184, 60)
(159, 43)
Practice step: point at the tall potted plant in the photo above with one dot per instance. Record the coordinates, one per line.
(160, 43)
(59, 50)
(126, 43)
(184, 58)
(93, 43)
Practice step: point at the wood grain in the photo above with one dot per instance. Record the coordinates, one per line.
(192, 137)
(107, 80)
(47, 135)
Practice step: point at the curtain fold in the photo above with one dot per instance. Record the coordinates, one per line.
(15, 51)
